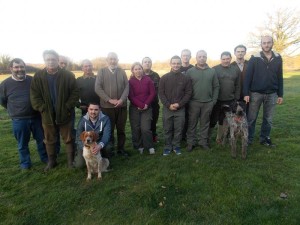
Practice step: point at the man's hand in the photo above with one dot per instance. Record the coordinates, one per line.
(113, 101)
(96, 149)
(119, 103)
(279, 100)
(247, 99)
(176, 105)
(173, 107)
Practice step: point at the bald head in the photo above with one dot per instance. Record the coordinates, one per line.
(201, 58)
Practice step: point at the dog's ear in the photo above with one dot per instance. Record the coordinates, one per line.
(96, 136)
(82, 135)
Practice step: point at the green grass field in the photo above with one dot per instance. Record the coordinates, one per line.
(195, 188)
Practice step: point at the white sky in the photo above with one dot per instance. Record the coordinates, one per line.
(131, 28)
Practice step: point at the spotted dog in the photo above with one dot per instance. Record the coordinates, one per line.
(235, 125)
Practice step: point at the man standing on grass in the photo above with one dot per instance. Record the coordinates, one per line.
(86, 85)
(15, 97)
(174, 90)
(186, 56)
(147, 65)
(230, 84)
(54, 94)
(241, 64)
(112, 87)
(263, 85)
(205, 86)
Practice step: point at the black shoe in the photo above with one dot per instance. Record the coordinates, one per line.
(189, 148)
(122, 152)
(268, 143)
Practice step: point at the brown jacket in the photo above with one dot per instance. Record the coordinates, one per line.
(111, 86)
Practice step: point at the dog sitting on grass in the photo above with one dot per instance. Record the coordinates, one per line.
(94, 162)
(235, 125)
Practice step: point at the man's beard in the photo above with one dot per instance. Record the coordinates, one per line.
(20, 74)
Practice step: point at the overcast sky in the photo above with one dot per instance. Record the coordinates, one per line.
(131, 28)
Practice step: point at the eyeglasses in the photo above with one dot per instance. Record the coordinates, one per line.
(18, 67)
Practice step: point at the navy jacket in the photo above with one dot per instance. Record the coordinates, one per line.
(102, 127)
(264, 76)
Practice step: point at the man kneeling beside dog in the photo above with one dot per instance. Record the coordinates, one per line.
(93, 134)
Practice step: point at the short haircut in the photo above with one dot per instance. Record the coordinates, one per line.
(201, 51)
(94, 103)
(146, 58)
(240, 46)
(112, 54)
(267, 35)
(85, 61)
(136, 64)
(175, 57)
(51, 52)
(186, 50)
(16, 60)
(226, 53)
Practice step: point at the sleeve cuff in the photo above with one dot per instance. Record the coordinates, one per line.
(102, 144)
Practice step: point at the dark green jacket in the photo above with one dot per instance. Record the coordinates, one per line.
(67, 97)
(230, 84)
(205, 84)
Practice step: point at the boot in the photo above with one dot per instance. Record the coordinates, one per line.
(70, 154)
(219, 134)
(51, 151)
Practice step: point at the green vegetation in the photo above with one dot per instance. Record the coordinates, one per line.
(195, 188)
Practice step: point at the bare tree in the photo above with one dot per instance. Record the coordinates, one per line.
(4, 63)
(284, 26)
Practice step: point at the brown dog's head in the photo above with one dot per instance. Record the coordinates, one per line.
(88, 137)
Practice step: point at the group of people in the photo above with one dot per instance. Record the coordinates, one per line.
(44, 104)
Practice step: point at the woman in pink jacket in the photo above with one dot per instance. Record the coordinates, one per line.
(141, 94)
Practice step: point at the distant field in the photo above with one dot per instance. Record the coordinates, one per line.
(160, 72)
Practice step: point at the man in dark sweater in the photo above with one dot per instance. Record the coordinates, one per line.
(263, 85)
(241, 64)
(14, 96)
(147, 64)
(229, 80)
(186, 56)
(86, 85)
(174, 91)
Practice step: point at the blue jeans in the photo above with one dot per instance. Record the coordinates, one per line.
(22, 129)
(269, 103)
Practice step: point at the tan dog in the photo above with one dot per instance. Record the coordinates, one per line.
(94, 163)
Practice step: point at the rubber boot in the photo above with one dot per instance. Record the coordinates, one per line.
(51, 151)
(219, 134)
(70, 154)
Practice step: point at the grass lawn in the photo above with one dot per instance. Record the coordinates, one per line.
(195, 188)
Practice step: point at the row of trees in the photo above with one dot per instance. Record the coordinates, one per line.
(284, 26)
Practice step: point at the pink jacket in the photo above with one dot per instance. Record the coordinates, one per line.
(141, 92)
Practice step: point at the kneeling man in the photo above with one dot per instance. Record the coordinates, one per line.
(94, 120)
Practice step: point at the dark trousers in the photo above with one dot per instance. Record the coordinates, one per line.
(118, 118)
(140, 122)
(155, 116)
(173, 122)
